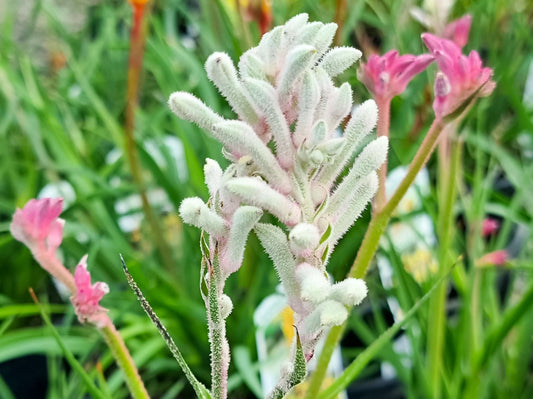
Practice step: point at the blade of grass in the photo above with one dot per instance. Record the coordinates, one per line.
(69, 356)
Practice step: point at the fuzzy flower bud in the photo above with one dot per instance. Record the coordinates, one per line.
(349, 292)
(303, 239)
(226, 306)
(328, 314)
(194, 211)
(314, 285)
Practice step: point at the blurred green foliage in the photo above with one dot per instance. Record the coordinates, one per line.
(62, 99)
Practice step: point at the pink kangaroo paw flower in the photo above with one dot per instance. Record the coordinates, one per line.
(388, 75)
(460, 76)
(458, 30)
(37, 224)
(87, 297)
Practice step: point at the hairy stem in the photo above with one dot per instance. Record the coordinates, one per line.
(217, 334)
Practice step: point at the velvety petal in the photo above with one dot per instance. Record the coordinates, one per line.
(55, 236)
(388, 76)
(33, 224)
(87, 297)
(458, 30)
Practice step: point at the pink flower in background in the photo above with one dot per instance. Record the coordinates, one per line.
(87, 298)
(495, 258)
(460, 76)
(388, 75)
(458, 30)
(489, 226)
(38, 226)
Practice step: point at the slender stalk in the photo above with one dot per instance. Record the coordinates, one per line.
(137, 42)
(243, 24)
(317, 379)
(448, 167)
(380, 219)
(52, 265)
(123, 358)
(383, 128)
(370, 243)
(339, 19)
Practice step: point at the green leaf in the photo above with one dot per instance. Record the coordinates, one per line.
(198, 387)
(69, 356)
(295, 375)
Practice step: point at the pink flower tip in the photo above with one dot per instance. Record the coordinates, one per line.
(388, 75)
(458, 30)
(37, 225)
(489, 226)
(460, 76)
(496, 258)
(87, 297)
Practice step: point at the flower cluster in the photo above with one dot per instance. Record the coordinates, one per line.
(283, 92)
(459, 78)
(39, 227)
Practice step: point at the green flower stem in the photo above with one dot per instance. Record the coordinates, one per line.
(370, 243)
(381, 218)
(317, 378)
(382, 129)
(449, 163)
(122, 356)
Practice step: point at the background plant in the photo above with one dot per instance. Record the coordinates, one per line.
(62, 108)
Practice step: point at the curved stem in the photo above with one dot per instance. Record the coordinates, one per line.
(123, 358)
(380, 219)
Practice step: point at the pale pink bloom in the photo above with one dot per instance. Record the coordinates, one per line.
(489, 226)
(458, 30)
(388, 75)
(460, 76)
(496, 258)
(87, 297)
(38, 226)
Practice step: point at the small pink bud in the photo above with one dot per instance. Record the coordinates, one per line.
(388, 75)
(87, 297)
(458, 30)
(489, 226)
(496, 258)
(465, 75)
(37, 224)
